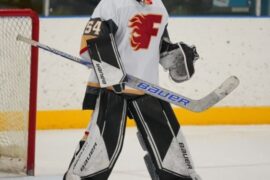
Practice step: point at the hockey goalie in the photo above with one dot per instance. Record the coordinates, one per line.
(130, 36)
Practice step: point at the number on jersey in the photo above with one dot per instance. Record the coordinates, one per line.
(93, 27)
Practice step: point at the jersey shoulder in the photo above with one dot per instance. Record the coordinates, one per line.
(160, 4)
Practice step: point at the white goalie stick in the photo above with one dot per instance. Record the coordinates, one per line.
(193, 105)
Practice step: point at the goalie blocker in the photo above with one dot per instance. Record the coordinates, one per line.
(105, 56)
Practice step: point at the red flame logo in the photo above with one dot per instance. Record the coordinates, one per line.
(143, 28)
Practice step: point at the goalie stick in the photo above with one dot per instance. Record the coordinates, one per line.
(193, 105)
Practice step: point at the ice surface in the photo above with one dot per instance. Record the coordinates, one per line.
(219, 153)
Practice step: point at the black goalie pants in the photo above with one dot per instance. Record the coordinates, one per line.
(159, 133)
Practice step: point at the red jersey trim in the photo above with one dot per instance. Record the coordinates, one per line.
(83, 50)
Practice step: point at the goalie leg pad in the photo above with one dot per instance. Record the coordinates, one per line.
(147, 159)
(151, 167)
(90, 98)
(69, 174)
(104, 142)
(160, 132)
(140, 138)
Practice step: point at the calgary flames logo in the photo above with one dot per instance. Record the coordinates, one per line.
(143, 28)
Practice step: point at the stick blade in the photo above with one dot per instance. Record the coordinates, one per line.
(217, 95)
(26, 40)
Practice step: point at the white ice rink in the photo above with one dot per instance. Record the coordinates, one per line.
(219, 153)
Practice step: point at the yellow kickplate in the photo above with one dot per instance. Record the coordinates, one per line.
(77, 119)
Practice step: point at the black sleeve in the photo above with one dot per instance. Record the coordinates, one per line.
(165, 40)
(165, 35)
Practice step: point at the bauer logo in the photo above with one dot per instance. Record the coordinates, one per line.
(85, 163)
(143, 27)
(101, 74)
(157, 92)
(185, 155)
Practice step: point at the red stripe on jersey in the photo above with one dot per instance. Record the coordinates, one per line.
(83, 50)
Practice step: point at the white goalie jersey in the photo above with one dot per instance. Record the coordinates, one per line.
(139, 29)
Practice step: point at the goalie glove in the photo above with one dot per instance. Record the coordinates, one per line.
(179, 59)
(105, 57)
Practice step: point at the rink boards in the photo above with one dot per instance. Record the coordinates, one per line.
(76, 119)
